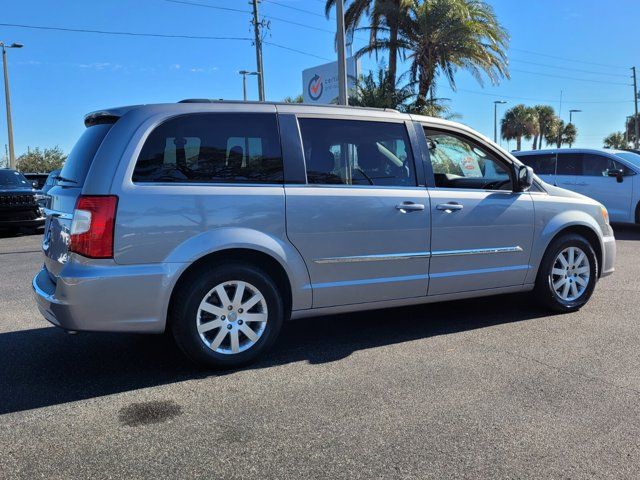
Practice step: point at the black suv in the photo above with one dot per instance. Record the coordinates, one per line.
(18, 202)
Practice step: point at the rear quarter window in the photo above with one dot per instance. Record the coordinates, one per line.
(212, 148)
(541, 164)
(79, 160)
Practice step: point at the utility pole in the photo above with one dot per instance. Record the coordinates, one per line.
(258, 42)
(343, 98)
(7, 96)
(635, 102)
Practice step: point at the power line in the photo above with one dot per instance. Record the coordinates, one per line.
(270, 17)
(568, 68)
(297, 51)
(111, 32)
(566, 59)
(295, 8)
(529, 99)
(155, 35)
(570, 78)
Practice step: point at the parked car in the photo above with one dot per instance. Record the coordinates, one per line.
(608, 176)
(18, 202)
(37, 179)
(51, 181)
(218, 221)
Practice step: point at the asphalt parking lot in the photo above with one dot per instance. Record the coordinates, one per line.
(489, 388)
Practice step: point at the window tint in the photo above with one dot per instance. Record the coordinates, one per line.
(599, 165)
(11, 178)
(460, 163)
(541, 164)
(212, 148)
(569, 164)
(80, 159)
(352, 152)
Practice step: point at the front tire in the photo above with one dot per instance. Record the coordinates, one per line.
(226, 316)
(567, 275)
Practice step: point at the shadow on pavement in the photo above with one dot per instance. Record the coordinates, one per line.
(626, 232)
(45, 366)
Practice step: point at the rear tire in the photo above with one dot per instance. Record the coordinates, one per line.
(226, 316)
(567, 275)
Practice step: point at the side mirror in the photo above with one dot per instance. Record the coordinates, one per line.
(525, 178)
(618, 173)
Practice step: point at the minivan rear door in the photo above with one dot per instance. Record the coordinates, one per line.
(55, 243)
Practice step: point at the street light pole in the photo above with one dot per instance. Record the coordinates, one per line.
(635, 102)
(571, 112)
(244, 74)
(7, 96)
(342, 55)
(495, 119)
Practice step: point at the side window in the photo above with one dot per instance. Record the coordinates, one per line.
(354, 152)
(212, 148)
(460, 163)
(541, 164)
(597, 165)
(569, 164)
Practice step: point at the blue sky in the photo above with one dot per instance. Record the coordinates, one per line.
(59, 76)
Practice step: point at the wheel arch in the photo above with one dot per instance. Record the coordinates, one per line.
(267, 263)
(570, 221)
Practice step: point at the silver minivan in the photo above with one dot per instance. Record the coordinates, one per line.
(608, 176)
(218, 221)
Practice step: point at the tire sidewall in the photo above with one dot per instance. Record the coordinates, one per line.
(545, 279)
(194, 289)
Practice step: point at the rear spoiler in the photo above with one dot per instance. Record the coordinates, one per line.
(110, 115)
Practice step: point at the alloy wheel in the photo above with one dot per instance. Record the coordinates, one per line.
(232, 317)
(570, 274)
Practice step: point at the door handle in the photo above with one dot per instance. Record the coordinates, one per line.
(405, 207)
(449, 207)
(581, 184)
(567, 183)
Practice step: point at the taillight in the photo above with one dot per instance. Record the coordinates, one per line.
(92, 227)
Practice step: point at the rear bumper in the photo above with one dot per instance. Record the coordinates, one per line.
(107, 298)
(608, 255)
(32, 223)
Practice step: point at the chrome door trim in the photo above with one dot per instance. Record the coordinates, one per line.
(476, 251)
(374, 258)
(413, 255)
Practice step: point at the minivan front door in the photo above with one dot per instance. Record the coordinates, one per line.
(361, 222)
(482, 231)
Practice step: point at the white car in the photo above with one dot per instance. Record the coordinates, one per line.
(608, 176)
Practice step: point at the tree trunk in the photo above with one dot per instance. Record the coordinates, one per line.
(519, 142)
(393, 55)
(535, 142)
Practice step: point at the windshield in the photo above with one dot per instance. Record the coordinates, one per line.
(631, 157)
(11, 178)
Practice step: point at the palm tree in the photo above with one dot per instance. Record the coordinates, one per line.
(376, 91)
(561, 134)
(518, 122)
(442, 36)
(297, 99)
(616, 140)
(384, 15)
(546, 116)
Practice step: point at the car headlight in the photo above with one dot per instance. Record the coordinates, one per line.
(605, 214)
